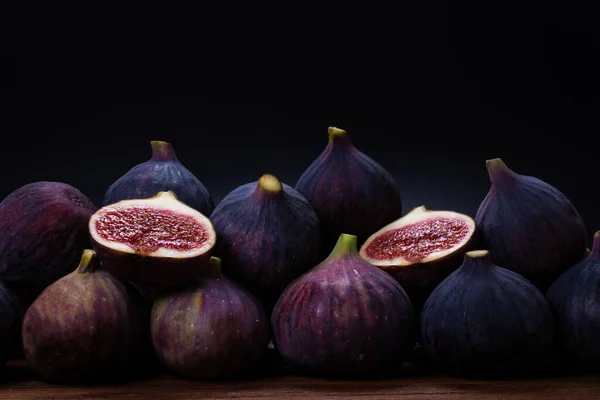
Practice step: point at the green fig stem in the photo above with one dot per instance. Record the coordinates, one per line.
(595, 253)
(162, 151)
(478, 259)
(88, 262)
(498, 171)
(269, 183)
(338, 136)
(168, 193)
(346, 246)
(213, 268)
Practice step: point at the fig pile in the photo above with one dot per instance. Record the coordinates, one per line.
(325, 277)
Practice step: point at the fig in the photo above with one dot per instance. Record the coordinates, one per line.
(349, 191)
(420, 249)
(84, 327)
(158, 241)
(211, 328)
(11, 311)
(485, 320)
(162, 173)
(529, 226)
(343, 318)
(267, 235)
(44, 230)
(574, 300)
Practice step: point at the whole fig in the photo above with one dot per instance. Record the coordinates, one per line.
(485, 320)
(267, 236)
(344, 317)
(162, 173)
(209, 329)
(349, 191)
(11, 311)
(84, 327)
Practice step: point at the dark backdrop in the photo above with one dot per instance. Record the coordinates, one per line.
(429, 89)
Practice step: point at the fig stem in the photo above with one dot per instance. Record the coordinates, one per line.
(477, 259)
(213, 268)
(162, 151)
(337, 135)
(595, 253)
(270, 183)
(345, 246)
(498, 171)
(88, 262)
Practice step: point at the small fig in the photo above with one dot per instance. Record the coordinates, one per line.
(484, 319)
(44, 231)
(267, 235)
(575, 302)
(83, 327)
(349, 191)
(11, 311)
(211, 328)
(344, 317)
(421, 249)
(162, 173)
(529, 226)
(158, 241)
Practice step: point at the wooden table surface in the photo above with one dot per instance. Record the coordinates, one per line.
(20, 383)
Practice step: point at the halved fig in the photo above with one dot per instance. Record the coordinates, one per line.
(421, 248)
(158, 241)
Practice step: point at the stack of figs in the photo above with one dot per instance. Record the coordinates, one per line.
(330, 276)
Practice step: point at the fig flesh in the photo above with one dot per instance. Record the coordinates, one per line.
(11, 311)
(211, 328)
(267, 235)
(343, 318)
(529, 226)
(485, 320)
(420, 249)
(349, 191)
(158, 241)
(84, 327)
(162, 173)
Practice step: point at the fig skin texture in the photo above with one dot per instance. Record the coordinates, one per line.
(486, 321)
(427, 258)
(44, 231)
(157, 266)
(11, 312)
(163, 172)
(349, 191)
(267, 235)
(529, 226)
(574, 300)
(344, 318)
(85, 327)
(211, 328)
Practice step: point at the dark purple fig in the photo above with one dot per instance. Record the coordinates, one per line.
(267, 235)
(84, 327)
(211, 328)
(421, 249)
(529, 226)
(44, 230)
(158, 241)
(575, 302)
(11, 311)
(486, 320)
(163, 172)
(344, 317)
(349, 191)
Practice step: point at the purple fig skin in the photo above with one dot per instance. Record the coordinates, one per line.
(267, 236)
(529, 226)
(349, 191)
(44, 231)
(11, 313)
(484, 320)
(210, 329)
(84, 327)
(344, 318)
(163, 172)
(574, 300)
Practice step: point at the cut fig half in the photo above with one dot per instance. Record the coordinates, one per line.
(158, 241)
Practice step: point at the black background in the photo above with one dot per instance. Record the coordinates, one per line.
(428, 89)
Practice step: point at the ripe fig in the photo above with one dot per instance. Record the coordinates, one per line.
(158, 241)
(267, 235)
(44, 231)
(574, 300)
(344, 317)
(162, 173)
(529, 226)
(421, 249)
(484, 320)
(349, 191)
(11, 311)
(83, 327)
(211, 328)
